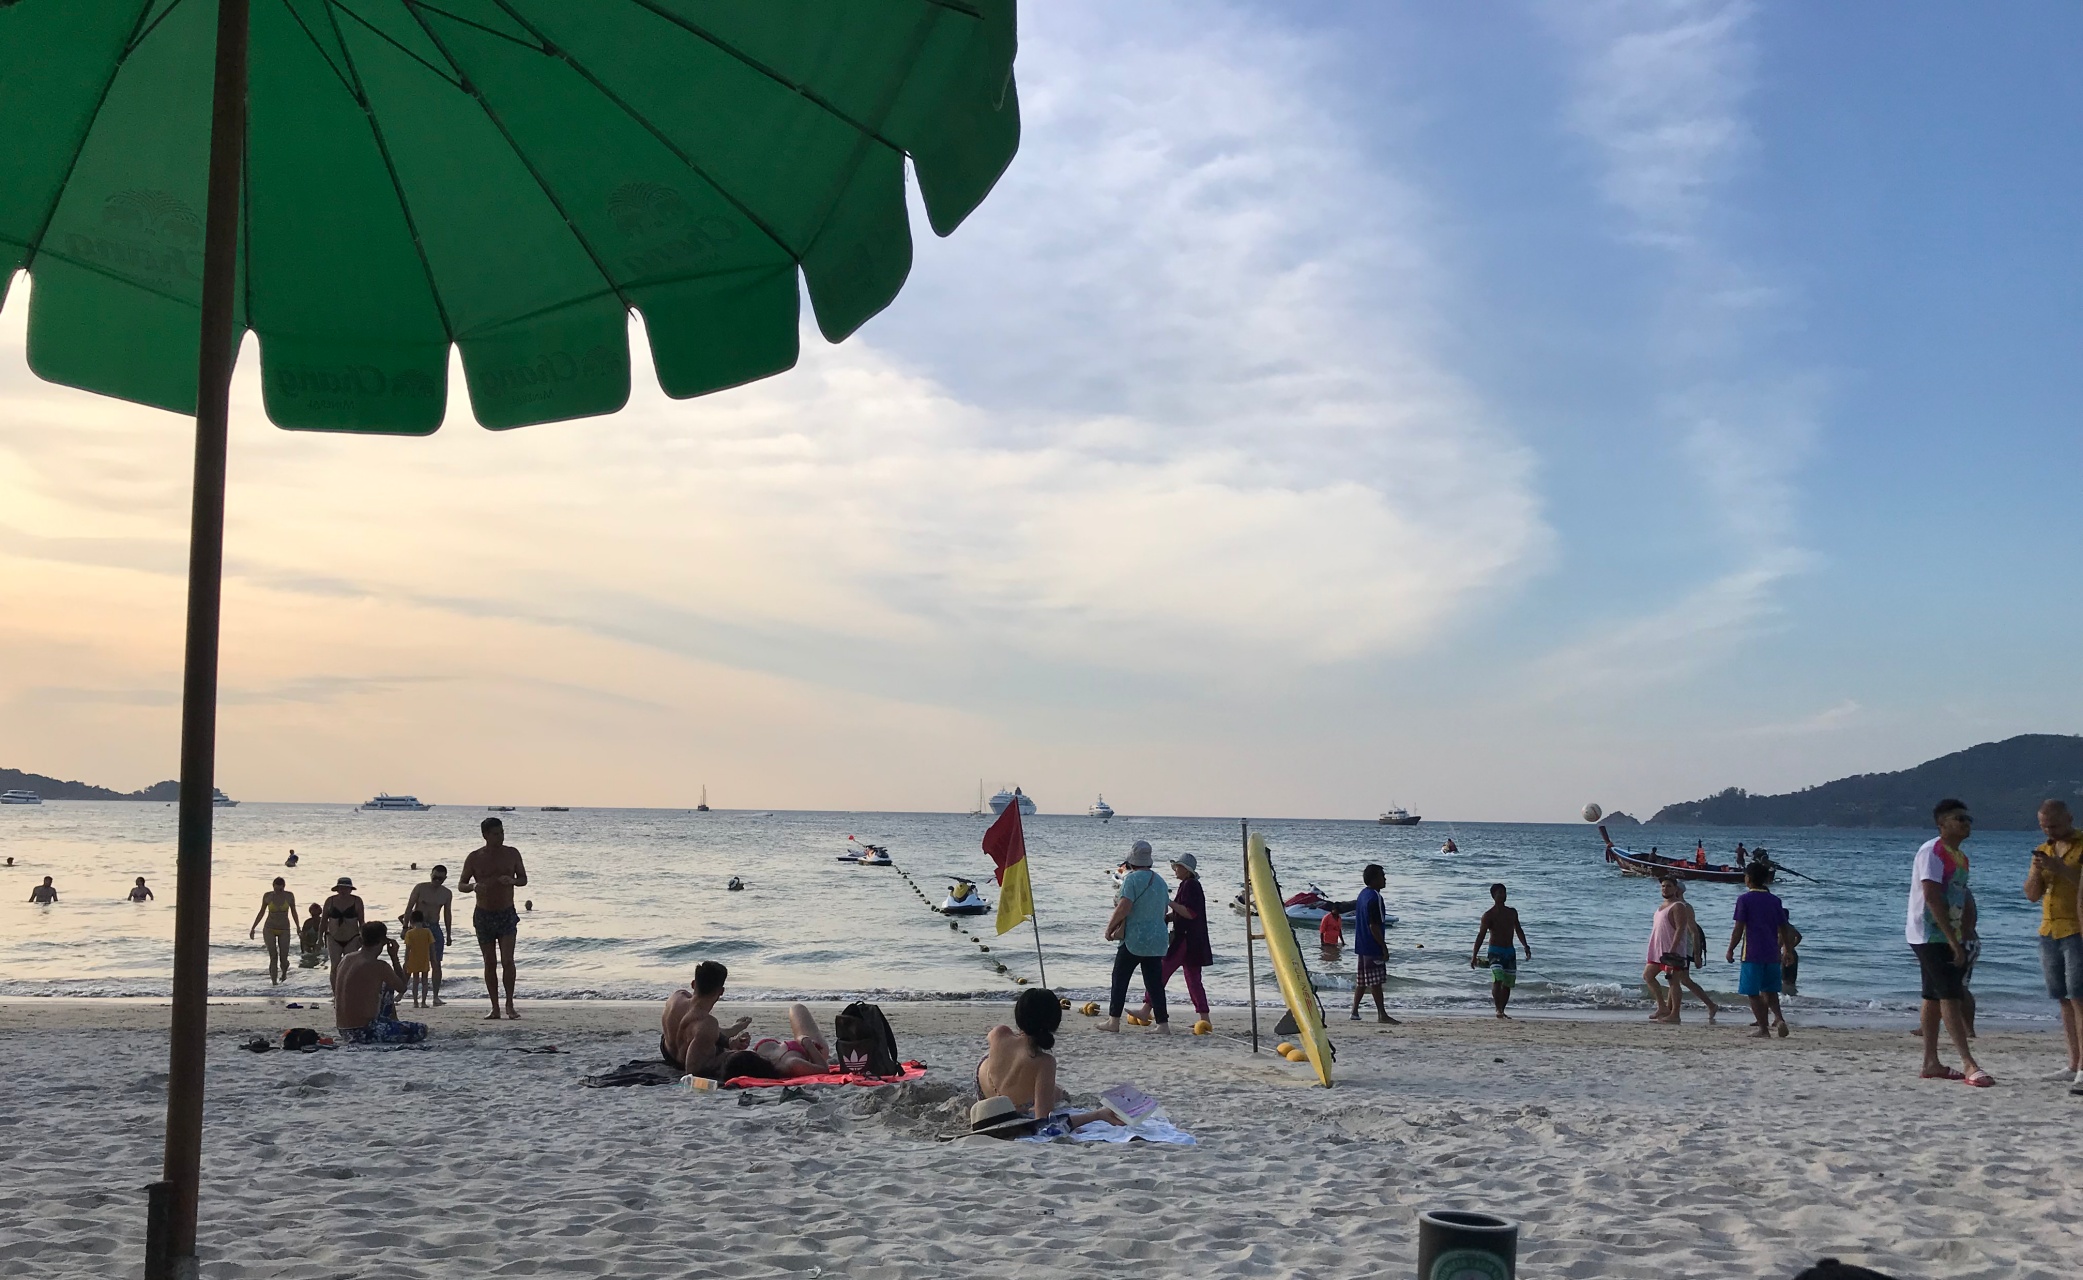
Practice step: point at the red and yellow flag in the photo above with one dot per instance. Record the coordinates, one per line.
(1006, 842)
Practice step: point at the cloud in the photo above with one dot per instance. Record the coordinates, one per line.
(1658, 91)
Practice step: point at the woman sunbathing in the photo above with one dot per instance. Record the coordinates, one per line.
(1017, 1063)
(805, 1053)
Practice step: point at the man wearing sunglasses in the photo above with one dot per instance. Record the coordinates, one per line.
(1940, 908)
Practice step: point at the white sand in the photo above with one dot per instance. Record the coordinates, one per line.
(1625, 1149)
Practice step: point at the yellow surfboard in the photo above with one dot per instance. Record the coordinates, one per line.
(1295, 987)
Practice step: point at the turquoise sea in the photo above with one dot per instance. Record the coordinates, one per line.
(626, 901)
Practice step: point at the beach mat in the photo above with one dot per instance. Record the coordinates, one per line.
(910, 1071)
(641, 1071)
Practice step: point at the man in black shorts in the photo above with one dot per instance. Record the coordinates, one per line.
(1941, 915)
(493, 872)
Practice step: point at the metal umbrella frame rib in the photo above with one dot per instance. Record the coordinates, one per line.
(795, 121)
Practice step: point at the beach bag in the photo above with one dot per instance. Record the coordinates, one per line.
(299, 1038)
(866, 1045)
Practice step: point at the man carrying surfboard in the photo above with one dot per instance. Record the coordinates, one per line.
(1371, 944)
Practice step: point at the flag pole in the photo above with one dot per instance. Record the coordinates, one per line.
(1250, 906)
(1033, 916)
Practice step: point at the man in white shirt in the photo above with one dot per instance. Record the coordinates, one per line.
(1940, 906)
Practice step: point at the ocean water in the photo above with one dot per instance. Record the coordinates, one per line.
(627, 901)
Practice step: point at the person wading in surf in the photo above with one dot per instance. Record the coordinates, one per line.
(493, 872)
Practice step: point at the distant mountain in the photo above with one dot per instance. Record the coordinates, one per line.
(2002, 782)
(58, 789)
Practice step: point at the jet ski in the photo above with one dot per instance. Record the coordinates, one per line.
(1309, 908)
(867, 855)
(963, 900)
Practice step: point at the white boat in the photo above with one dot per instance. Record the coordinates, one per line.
(963, 900)
(1101, 809)
(1398, 816)
(1308, 909)
(222, 801)
(387, 802)
(1004, 798)
(20, 797)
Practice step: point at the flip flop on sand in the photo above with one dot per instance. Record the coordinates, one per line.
(1979, 1079)
(1943, 1073)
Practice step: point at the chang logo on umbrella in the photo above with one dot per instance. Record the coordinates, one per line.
(150, 236)
(662, 230)
(536, 377)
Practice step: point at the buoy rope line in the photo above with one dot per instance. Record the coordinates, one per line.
(955, 925)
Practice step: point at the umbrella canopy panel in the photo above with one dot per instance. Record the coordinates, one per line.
(511, 176)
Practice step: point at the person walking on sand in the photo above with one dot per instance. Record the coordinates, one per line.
(140, 892)
(1138, 925)
(1500, 925)
(1939, 906)
(493, 872)
(2056, 882)
(432, 898)
(1671, 951)
(45, 894)
(1371, 944)
(344, 918)
(1761, 929)
(279, 905)
(1189, 949)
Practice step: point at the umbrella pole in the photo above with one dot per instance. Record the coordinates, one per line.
(170, 1251)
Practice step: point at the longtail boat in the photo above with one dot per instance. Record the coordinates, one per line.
(1662, 868)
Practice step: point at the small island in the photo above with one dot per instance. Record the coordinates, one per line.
(50, 788)
(2002, 782)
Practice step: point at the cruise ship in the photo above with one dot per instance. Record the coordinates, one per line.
(386, 801)
(1399, 817)
(1004, 798)
(221, 800)
(20, 797)
(1101, 809)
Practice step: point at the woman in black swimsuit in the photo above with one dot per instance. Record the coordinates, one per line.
(343, 921)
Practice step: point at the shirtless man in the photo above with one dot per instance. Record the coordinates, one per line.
(689, 1037)
(493, 872)
(431, 899)
(44, 894)
(365, 990)
(1499, 925)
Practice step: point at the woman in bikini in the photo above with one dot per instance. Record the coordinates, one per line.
(1017, 1063)
(805, 1053)
(343, 922)
(279, 905)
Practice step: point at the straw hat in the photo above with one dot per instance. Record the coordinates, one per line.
(999, 1118)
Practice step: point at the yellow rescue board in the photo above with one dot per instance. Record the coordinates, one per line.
(1295, 987)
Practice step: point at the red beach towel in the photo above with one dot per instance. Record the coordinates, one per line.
(911, 1071)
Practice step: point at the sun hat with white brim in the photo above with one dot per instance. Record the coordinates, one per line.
(1139, 855)
(999, 1118)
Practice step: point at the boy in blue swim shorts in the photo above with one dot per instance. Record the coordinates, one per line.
(1761, 923)
(1500, 926)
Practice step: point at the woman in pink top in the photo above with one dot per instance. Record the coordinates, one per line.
(1671, 949)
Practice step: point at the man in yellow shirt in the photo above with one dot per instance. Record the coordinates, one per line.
(2056, 882)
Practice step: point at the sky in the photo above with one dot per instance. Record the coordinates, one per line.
(1484, 409)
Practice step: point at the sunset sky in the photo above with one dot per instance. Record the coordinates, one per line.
(1481, 408)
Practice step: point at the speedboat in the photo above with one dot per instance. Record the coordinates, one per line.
(387, 802)
(1101, 809)
(963, 900)
(20, 797)
(222, 801)
(1004, 798)
(1398, 816)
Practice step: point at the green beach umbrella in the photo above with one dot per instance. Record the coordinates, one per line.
(366, 183)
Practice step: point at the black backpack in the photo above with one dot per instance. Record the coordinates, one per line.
(866, 1045)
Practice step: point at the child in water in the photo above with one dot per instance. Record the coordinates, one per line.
(419, 958)
(311, 939)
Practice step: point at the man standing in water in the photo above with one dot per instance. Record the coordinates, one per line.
(1500, 926)
(493, 872)
(44, 894)
(432, 900)
(1940, 907)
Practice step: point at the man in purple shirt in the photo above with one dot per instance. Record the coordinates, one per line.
(1760, 918)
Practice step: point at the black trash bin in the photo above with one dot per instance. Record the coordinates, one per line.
(1457, 1245)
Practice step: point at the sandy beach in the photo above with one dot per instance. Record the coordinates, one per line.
(1625, 1149)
